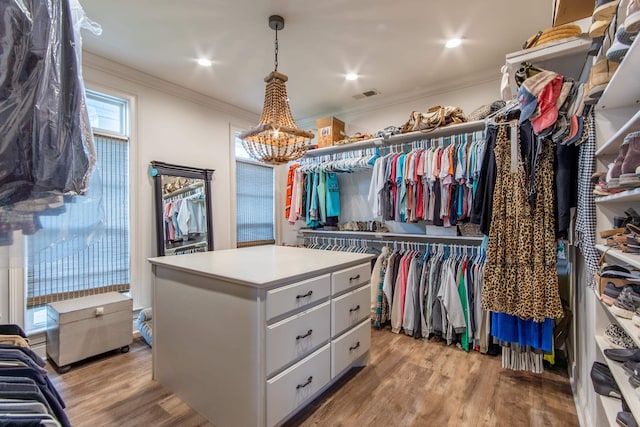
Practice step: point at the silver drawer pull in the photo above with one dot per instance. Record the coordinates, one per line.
(299, 386)
(356, 308)
(355, 346)
(309, 332)
(308, 294)
(356, 277)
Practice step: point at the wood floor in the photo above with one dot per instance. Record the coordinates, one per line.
(407, 383)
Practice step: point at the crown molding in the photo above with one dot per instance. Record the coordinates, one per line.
(102, 64)
(405, 97)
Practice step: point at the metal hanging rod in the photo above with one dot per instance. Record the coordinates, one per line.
(390, 237)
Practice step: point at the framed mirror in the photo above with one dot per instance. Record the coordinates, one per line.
(184, 222)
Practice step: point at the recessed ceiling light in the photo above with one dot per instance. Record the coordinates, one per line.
(205, 62)
(351, 76)
(451, 43)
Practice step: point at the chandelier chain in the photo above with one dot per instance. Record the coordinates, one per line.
(276, 43)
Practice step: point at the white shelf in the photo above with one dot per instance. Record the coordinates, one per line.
(565, 57)
(613, 144)
(611, 408)
(624, 88)
(626, 324)
(632, 195)
(457, 129)
(621, 377)
(617, 254)
(558, 49)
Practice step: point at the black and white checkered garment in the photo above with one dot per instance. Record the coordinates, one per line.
(586, 211)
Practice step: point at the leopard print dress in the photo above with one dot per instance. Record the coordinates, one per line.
(520, 270)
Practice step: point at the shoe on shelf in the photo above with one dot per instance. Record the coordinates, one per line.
(613, 175)
(631, 368)
(636, 318)
(599, 76)
(605, 10)
(631, 161)
(618, 48)
(625, 36)
(610, 294)
(608, 233)
(603, 381)
(626, 304)
(618, 337)
(622, 276)
(632, 21)
(622, 354)
(625, 419)
(634, 380)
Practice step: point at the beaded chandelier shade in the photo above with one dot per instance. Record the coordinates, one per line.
(276, 139)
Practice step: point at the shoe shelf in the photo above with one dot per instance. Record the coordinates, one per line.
(626, 324)
(611, 408)
(612, 145)
(621, 377)
(624, 88)
(618, 255)
(632, 195)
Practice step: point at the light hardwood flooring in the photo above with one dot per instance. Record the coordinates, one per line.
(407, 383)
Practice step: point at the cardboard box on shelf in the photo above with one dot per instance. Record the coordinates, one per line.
(567, 11)
(330, 129)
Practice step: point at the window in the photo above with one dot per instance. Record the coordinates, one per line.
(85, 250)
(254, 201)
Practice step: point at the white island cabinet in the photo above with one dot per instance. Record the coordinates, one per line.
(248, 337)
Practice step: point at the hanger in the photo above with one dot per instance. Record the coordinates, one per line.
(511, 105)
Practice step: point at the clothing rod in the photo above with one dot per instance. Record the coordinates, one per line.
(348, 241)
(394, 236)
(453, 242)
(183, 190)
(459, 129)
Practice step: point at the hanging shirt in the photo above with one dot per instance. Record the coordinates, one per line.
(333, 195)
(311, 222)
(322, 196)
(376, 186)
(289, 194)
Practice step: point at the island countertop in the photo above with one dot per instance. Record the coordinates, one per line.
(261, 266)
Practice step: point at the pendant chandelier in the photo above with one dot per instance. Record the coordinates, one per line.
(276, 139)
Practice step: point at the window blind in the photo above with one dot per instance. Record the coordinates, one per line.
(85, 250)
(254, 204)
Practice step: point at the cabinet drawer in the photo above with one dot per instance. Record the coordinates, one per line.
(349, 347)
(296, 336)
(350, 309)
(297, 295)
(350, 278)
(292, 388)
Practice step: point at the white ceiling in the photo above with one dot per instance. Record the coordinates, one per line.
(395, 46)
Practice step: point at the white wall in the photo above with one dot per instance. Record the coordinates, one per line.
(374, 118)
(169, 124)
(173, 125)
